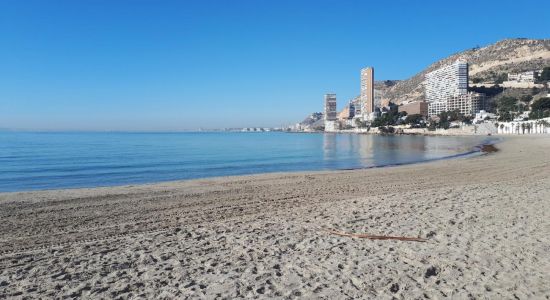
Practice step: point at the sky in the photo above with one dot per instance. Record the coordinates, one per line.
(145, 65)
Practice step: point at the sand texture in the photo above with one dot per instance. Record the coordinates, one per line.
(486, 220)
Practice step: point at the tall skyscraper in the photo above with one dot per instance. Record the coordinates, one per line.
(447, 82)
(367, 90)
(330, 107)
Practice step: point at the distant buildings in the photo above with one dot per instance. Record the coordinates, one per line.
(349, 111)
(415, 108)
(367, 91)
(467, 104)
(524, 80)
(258, 129)
(351, 107)
(357, 104)
(330, 107)
(347, 115)
(435, 108)
(447, 90)
(527, 77)
(359, 108)
(482, 115)
(330, 115)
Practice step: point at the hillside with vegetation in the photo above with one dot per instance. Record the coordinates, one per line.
(486, 64)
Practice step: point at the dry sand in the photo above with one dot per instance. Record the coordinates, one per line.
(487, 221)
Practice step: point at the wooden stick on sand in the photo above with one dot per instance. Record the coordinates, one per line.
(376, 237)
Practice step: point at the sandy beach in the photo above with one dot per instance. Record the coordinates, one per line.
(486, 220)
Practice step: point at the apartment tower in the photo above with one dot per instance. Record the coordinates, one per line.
(330, 107)
(447, 82)
(447, 90)
(367, 90)
(331, 115)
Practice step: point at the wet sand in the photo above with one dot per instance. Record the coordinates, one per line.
(486, 220)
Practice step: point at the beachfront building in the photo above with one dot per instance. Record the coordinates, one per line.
(415, 108)
(367, 92)
(331, 115)
(437, 107)
(447, 82)
(467, 104)
(447, 90)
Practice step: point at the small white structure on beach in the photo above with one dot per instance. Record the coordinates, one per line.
(482, 115)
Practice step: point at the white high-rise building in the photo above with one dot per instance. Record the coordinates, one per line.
(447, 90)
(447, 82)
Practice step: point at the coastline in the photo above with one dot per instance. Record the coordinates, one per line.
(461, 152)
(466, 131)
(265, 235)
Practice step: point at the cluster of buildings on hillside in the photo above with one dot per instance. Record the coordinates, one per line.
(524, 77)
(446, 89)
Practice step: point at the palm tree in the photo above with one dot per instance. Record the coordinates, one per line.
(501, 127)
(522, 128)
(543, 124)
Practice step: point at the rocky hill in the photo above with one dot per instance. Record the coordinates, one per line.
(486, 63)
(313, 121)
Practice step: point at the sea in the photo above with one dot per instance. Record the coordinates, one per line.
(59, 160)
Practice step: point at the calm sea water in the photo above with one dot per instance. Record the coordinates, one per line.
(34, 161)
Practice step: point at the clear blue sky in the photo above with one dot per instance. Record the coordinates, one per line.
(172, 65)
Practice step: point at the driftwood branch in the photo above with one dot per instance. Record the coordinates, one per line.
(376, 237)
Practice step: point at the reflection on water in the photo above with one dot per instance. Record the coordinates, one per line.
(30, 161)
(359, 151)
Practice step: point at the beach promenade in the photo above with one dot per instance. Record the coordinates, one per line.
(486, 220)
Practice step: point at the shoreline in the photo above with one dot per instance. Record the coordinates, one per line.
(484, 220)
(476, 150)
